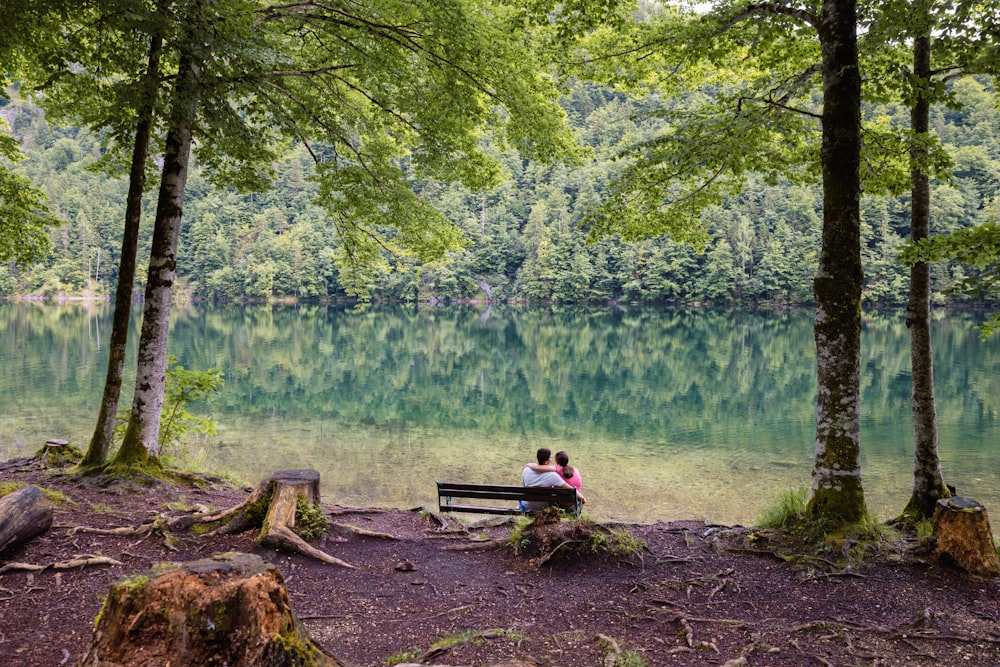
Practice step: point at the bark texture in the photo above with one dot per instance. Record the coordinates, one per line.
(24, 514)
(142, 435)
(962, 535)
(100, 442)
(928, 479)
(232, 609)
(837, 490)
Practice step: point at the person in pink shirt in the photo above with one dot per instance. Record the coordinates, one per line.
(569, 474)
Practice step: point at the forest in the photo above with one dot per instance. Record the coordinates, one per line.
(526, 239)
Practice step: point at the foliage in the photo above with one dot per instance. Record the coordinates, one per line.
(523, 237)
(978, 247)
(182, 388)
(310, 518)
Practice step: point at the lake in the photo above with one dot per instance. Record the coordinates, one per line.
(669, 414)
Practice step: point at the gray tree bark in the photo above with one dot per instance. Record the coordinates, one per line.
(100, 442)
(142, 434)
(837, 492)
(928, 480)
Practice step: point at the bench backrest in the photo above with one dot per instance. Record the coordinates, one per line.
(507, 492)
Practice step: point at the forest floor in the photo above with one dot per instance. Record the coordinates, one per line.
(695, 594)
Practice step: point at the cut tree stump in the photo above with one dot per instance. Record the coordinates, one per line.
(272, 507)
(232, 609)
(24, 514)
(962, 535)
(58, 453)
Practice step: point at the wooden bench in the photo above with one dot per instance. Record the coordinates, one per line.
(449, 491)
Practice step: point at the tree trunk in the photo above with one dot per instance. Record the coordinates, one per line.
(100, 442)
(141, 440)
(962, 535)
(928, 480)
(24, 514)
(232, 609)
(837, 493)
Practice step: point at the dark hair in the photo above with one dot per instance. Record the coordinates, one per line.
(562, 458)
(543, 455)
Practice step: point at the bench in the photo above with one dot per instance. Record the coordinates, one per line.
(449, 491)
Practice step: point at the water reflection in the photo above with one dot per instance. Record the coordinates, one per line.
(669, 413)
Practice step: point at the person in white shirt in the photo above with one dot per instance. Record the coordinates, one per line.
(531, 477)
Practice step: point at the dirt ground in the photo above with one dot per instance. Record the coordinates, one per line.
(694, 595)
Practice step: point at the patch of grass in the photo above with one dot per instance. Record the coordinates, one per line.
(445, 643)
(788, 528)
(518, 539)
(924, 528)
(617, 542)
(789, 508)
(616, 657)
(405, 656)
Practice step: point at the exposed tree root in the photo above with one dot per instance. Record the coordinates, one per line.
(479, 545)
(362, 532)
(74, 562)
(272, 506)
(157, 524)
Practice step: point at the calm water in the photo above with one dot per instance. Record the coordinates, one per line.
(669, 414)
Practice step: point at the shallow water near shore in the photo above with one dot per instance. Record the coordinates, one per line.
(669, 414)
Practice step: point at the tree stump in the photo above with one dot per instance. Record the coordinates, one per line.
(24, 514)
(272, 506)
(232, 609)
(58, 453)
(962, 535)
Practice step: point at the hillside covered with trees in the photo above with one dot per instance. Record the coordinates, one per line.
(526, 239)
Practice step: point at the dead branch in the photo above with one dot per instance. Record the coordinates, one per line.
(361, 532)
(473, 546)
(79, 561)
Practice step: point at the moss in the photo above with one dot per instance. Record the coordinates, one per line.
(203, 528)
(60, 456)
(310, 518)
(7, 488)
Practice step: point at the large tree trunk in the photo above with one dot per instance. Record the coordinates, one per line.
(232, 609)
(100, 442)
(928, 480)
(142, 435)
(837, 492)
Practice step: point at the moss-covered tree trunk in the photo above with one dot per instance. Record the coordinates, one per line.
(837, 489)
(142, 435)
(928, 480)
(100, 442)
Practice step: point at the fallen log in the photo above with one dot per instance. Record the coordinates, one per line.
(24, 514)
(274, 506)
(232, 609)
(962, 536)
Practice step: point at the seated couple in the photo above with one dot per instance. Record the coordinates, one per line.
(544, 474)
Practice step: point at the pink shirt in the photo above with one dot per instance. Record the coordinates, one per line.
(574, 481)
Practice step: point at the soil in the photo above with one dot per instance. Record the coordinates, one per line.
(695, 594)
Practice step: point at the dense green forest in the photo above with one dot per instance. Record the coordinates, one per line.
(524, 240)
